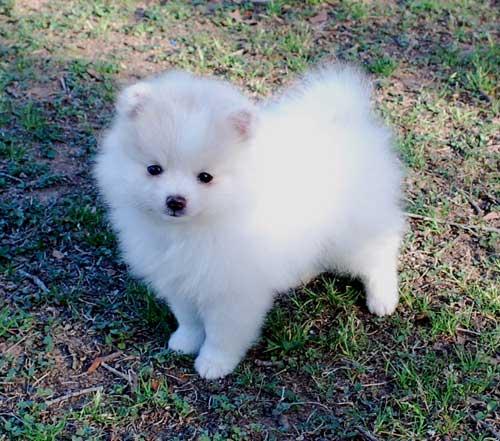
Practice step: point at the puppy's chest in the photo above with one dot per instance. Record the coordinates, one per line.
(185, 265)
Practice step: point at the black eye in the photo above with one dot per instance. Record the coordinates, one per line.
(154, 170)
(205, 177)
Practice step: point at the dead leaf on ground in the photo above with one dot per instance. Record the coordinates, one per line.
(320, 18)
(99, 360)
(155, 384)
(57, 254)
(95, 365)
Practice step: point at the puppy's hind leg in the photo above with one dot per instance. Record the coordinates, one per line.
(381, 290)
(377, 267)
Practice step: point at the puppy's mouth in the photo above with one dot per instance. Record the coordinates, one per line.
(176, 214)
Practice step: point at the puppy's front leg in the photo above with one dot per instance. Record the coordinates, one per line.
(189, 335)
(231, 327)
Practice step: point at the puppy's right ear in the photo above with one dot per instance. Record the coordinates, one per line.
(132, 99)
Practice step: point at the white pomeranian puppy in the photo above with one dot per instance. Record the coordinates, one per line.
(220, 204)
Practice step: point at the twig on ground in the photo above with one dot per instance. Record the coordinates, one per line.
(311, 403)
(17, 343)
(14, 178)
(267, 362)
(382, 383)
(468, 331)
(74, 394)
(111, 356)
(472, 203)
(454, 224)
(40, 379)
(63, 84)
(11, 415)
(35, 280)
(111, 369)
(365, 434)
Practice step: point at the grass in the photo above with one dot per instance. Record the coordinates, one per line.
(324, 368)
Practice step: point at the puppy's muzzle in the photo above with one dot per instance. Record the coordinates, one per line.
(176, 204)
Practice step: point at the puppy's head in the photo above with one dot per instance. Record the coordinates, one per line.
(176, 148)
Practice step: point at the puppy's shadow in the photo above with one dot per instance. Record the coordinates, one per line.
(307, 316)
(341, 283)
(338, 291)
(150, 311)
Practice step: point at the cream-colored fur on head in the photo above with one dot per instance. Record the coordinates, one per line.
(302, 184)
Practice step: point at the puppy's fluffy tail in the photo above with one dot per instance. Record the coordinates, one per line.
(334, 91)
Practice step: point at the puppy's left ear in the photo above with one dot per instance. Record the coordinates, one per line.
(244, 122)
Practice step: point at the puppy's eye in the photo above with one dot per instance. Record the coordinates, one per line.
(154, 170)
(205, 178)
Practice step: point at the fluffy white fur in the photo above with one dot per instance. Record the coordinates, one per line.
(304, 184)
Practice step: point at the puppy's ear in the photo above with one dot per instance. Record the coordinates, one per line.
(243, 121)
(131, 100)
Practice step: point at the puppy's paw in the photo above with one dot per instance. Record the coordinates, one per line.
(211, 365)
(382, 305)
(186, 340)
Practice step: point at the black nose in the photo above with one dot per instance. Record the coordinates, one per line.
(176, 203)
